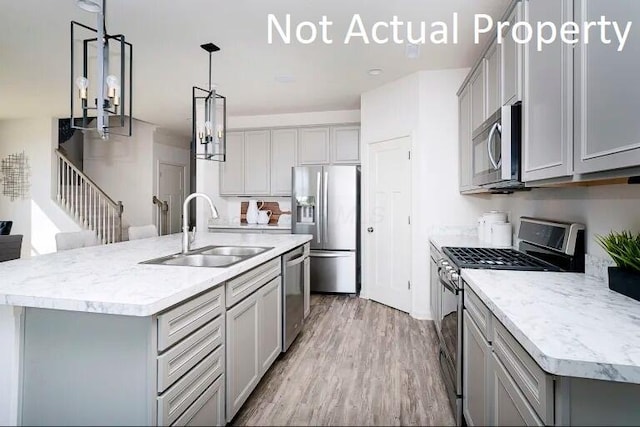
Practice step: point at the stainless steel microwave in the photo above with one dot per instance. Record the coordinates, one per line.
(497, 150)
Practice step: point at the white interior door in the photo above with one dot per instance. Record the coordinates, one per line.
(171, 190)
(388, 230)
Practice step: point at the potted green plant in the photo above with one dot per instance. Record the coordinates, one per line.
(624, 248)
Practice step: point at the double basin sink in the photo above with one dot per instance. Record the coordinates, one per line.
(210, 256)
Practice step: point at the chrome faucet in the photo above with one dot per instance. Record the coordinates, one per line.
(186, 239)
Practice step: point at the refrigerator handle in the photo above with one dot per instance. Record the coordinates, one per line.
(317, 209)
(325, 207)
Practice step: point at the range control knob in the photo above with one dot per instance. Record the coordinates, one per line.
(453, 276)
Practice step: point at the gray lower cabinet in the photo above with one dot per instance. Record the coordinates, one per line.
(208, 410)
(434, 283)
(307, 287)
(254, 340)
(547, 103)
(607, 94)
(476, 351)
(510, 407)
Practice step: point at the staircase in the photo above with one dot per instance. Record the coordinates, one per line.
(86, 203)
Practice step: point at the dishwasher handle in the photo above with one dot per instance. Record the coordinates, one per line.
(295, 261)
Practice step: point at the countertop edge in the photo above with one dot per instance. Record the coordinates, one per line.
(552, 365)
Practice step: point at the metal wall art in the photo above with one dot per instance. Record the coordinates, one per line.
(15, 173)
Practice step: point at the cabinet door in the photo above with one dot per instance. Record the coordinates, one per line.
(270, 308)
(283, 157)
(434, 289)
(547, 106)
(494, 87)
(243, 361)
(232, 169)
(257, 154)
(208, 410)
(509, 406)
(345, 144)
(476, 359)
(478, 96)
(313, 146)
(465, 172)
(307, 287)
(511, 61)
(607, 94)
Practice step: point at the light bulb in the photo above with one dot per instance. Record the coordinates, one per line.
(209, 127)
(82, 84)
(219, 131)
(112, 84)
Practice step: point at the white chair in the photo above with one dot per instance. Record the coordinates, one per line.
(143, 232)
(76, 239)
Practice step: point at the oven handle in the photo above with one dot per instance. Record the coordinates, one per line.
(449, 286)
(496, 165)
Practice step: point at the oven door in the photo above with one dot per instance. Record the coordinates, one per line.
(451, 341)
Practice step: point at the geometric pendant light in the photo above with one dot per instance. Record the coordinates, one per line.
(101, 76)
(209, 119)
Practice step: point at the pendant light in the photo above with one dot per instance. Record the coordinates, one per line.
(101, 76)
(209, 118)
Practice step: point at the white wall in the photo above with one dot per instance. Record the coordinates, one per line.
(37, 217)
(123, 168)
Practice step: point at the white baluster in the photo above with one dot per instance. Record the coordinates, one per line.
(58, 178)
(104, 222)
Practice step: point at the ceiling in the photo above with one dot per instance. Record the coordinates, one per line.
(168, 60)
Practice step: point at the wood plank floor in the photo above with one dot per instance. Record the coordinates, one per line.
(356, 362)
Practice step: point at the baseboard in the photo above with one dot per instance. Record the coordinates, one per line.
(421, 315)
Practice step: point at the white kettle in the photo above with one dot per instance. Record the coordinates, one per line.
(252, 211)
(264, 217)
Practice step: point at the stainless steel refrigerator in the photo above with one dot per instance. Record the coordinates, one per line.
(326, 204)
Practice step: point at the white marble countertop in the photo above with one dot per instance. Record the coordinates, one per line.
(244, 226)
(108, 279)
(571, 324)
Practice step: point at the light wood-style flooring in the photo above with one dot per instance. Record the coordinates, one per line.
(356, 362)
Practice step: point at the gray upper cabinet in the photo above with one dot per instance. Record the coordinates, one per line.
(547, 105)
(478, 97)
(465, 142)
(232, 169)
(494, 86)
(607, 94)
(257, 154)
(313, 146)
(284, 144)
(511, 61)
(345, 144)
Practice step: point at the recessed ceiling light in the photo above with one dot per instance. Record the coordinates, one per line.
(412, 51)
(375, 71)
(285, 78)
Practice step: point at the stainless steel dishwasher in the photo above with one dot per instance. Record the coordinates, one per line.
(292, 295)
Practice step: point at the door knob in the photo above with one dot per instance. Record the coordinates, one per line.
(370, 229)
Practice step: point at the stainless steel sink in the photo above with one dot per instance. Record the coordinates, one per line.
(210, 256)
(233, 250)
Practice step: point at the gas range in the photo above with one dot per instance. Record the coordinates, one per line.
(496, 259)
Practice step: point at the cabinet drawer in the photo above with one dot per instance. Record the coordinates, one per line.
(534, 383)
(479, 312)
(179, 322)
(246, 284)
(175, 401)
(208, 410)
(178, 360)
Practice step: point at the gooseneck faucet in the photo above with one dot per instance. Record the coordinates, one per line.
(186, 241)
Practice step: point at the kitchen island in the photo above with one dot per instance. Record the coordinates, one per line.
(106, 340)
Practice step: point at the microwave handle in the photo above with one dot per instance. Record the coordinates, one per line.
(496, 165)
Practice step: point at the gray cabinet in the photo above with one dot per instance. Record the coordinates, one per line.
(307, 287)
(313, 146)
(465, 143)
(510, 407)
(476, 359)
(243, 347)
(434, 283)
(284, 144)
(547, 104)
(607, 94)
(270, 311)
(232, 169)
(208, 409)
(478, 97)
(494, 77)
(512, 56)
(345, 145)
(257, 151)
